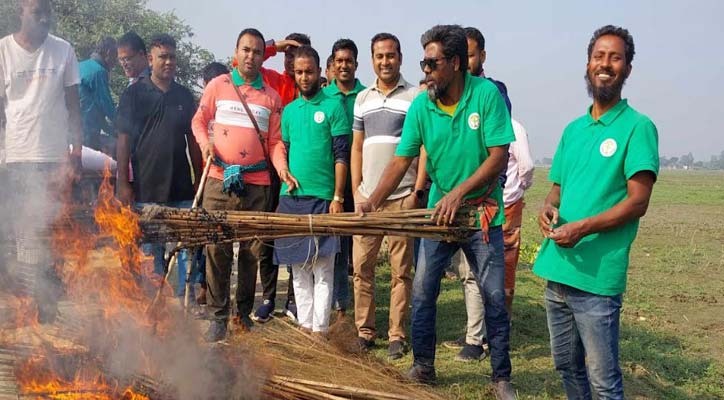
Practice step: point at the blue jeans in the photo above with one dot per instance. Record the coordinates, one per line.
(158, 250)
(584, 330)
(488, 265)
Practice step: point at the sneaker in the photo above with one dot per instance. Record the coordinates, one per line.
(422, 375)
(365, 345)
(456, 344)
(216, 331)
(290, 310)
(504, 391)
(397, 349)
(264, 312)
(243, 322)
(471, 352)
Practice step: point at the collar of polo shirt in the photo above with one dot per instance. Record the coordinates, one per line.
(400, 83)
(333, 89)
(610, 115)
(461, 103)
(257, 83)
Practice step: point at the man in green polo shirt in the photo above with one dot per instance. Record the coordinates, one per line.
(465, 128)
(344, 87)
(603, 173)
(315, 130)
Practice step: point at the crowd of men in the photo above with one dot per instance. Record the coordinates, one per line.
(297, 142)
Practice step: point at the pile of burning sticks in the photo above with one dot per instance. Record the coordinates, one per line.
(197, 227)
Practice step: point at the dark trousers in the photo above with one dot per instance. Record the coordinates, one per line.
(268, 271)
(220, 256)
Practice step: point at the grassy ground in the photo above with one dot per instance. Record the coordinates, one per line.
(672, 339)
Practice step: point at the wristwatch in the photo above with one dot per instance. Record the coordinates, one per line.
(338, 199)
(419, 193)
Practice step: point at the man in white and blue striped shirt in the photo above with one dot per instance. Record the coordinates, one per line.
(379, 113)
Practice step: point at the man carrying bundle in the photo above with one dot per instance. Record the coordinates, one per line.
(315, 131)
(465, 128)
(245, 141)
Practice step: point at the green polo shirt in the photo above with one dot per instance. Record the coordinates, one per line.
(457, 145)
(592, 164)
(308, 126)
(347, 99)
(238, 80)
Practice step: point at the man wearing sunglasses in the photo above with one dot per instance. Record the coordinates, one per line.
(465, 127)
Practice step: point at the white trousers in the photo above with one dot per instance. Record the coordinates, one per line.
(313, 293)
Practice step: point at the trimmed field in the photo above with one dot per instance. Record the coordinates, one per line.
(672, 339)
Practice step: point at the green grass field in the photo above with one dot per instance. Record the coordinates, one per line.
(672, 339)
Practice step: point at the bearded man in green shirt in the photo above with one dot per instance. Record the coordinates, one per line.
(603, 173)
(464, 126)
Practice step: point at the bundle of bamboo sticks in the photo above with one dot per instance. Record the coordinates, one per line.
(303, 367)
(197, 227)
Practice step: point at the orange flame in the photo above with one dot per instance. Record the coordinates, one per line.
(95, 279)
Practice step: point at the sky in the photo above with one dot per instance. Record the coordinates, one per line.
(538, 48)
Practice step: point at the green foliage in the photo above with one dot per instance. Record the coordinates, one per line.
(84, 22)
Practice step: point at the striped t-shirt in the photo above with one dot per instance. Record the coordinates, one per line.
(380, 117)
(235, 138)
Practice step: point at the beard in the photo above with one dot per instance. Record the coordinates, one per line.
(476, 70)
(604, 94)
(309, 93)
(435, 92)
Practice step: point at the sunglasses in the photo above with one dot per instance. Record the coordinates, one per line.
(431, 63)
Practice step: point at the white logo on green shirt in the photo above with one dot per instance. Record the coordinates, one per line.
(319, 117)
(608, 147)
(474, 121)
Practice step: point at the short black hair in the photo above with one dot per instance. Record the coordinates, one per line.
(133, 41)
(330, 60)
(213, 70)
(299, 37)
(385, 36)
(345, 44)
(162, 40)
(453, 41)
(308, 52)
(475, 34)
(616, 31)
(252, 32)
(105, 45)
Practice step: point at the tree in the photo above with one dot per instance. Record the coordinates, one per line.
(687, 160)
(84, 22)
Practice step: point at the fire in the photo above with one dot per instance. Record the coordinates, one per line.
(96, 282)
(119, 222)
(36, 378)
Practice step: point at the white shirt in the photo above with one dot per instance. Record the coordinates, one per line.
(33, 87)
(520, 166)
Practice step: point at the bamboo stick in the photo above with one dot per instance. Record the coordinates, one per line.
(305, 389)
(343, 390)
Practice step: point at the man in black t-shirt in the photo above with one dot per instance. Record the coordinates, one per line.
(154, 133)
